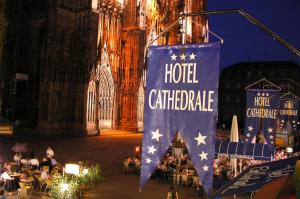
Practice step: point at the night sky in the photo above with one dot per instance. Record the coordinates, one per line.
(243, 41)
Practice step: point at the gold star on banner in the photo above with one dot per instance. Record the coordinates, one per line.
(192, 56)
(182, 57)
(205, 168)
(250, 128)
(203, 155)
(151, 149)
(200, 139)
(156, 135)
(148, 161)
(270, 130)
(173, 57)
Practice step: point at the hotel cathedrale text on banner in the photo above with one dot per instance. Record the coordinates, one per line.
(261, 114)
(181, 96)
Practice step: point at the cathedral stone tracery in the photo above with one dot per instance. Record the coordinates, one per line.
(85, 59)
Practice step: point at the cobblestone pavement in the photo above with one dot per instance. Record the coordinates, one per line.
(109, 150)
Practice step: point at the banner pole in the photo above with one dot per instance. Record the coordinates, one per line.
(253, 21)
(230, 11)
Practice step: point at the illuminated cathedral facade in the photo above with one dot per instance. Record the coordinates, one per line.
(79, 65)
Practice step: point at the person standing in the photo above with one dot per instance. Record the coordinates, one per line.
(17, 158)
(49, 152)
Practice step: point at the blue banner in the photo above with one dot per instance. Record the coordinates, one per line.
(288, 112)
(261, 114)
(255, 177)
(181, 96)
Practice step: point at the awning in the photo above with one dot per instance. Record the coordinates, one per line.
(255, 177)
(242, 150)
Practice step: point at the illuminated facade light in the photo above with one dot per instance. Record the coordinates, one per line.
(72, 169)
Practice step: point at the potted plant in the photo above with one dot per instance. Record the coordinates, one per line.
(64, 186)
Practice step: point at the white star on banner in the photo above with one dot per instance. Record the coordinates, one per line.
(156, 135)
(182, 57)
(192, 56)
(248, 134)
(267, 94)
(203, 155)
(282, 121)
(250, 128)
(271, 137)
(174, 57)
(263, 94)
(205, 168)
(258, 94)
(148, 161)
(270, 130)
(272, 142)
(246, 140)
(200, 139)
(294, 121)
(151, 149)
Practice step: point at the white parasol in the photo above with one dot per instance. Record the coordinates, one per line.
(234, 137)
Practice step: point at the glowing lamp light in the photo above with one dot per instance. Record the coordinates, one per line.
(289, 149)
(64, 187)
(85, 171)
(137, 149)
(72, 169)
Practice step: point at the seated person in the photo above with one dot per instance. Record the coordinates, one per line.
(44, 175)
(17, 158)
(5, 176)
(8, 168)
(137, 161)
(24, 162)
(11, 184)
(46, 162)
(50, 152)
(129, 161)
(34, 163)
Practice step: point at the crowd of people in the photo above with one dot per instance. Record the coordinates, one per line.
(28, 172)
(165, 171)
(186, 174)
